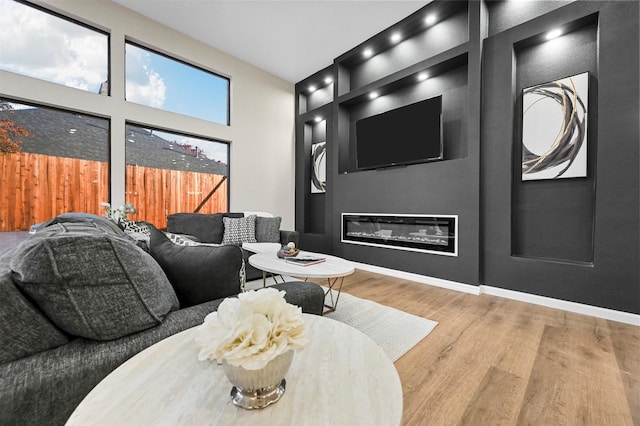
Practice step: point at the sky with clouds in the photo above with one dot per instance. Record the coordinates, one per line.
(40, 45)
(44, 46)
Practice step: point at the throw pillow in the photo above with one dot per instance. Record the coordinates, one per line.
(23, 328)
(198, 273)
(239, 230)
(207, 228)
(133, 227)
(181, 240)
(92, 284)
(268, 229)
(87, 219)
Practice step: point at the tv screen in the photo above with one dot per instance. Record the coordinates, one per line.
(407, 135)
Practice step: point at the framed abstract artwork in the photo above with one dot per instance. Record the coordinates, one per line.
(319, 168)
(554, 129)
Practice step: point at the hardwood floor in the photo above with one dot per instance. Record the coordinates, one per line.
(495, 361)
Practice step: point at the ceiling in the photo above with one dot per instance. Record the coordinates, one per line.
(291, 39)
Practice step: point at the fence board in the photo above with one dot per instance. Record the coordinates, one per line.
(34, 188)
(157, 193)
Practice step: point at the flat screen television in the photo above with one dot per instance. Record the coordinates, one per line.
(407, 135)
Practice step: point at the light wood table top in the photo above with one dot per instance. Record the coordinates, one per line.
(341, 378)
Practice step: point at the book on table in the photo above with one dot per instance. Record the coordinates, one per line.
(305, 260)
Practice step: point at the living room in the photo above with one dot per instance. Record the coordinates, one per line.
(554, 243)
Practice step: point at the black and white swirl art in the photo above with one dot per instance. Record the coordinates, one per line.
(554, 129)
(319, 167)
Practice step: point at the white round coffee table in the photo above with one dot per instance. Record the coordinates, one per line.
(333, 268)
(340, 378)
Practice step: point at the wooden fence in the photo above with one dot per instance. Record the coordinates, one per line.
(35, 188)
(158, 192)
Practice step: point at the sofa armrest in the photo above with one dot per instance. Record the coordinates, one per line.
(45, 388)
(289, 236)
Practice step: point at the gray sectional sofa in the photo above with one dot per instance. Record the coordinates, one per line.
(79, 298)
(210, 228)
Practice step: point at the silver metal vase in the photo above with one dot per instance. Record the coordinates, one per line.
(254, 389)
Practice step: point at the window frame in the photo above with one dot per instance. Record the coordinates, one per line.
(76, 21)
(58, 108)
(186, 134)
(158, 52)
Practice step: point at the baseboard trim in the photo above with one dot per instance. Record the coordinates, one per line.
(422, 279)
(578, 308)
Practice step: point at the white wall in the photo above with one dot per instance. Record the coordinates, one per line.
(262, 107)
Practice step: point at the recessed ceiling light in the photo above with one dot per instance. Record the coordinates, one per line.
(431, 19)
(312, 88)
(318, 119)
(373, 95)
(553, 34)
(328, 80)
(395, 37)
(367, 53)
(422, 76)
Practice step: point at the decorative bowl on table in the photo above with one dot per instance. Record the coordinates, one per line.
(288, 250)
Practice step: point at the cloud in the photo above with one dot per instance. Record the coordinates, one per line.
(43, 46)
(144, 85)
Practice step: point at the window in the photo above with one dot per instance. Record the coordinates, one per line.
(172, 173)
(51, 162)
(40, 44)
(161, 82)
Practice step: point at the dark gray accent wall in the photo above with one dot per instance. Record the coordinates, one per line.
(571, 239)
(554, 219)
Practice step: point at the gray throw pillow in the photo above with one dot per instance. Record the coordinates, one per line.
(23, 328)
(92, 284)
(198, 273)
(83, 219)
(207, 228)
(239, 230)
(268, 229)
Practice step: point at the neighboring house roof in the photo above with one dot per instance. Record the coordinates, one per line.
(65, 134)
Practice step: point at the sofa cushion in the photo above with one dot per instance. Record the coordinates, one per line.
(239, 230)
(198, 273)
(208, 228)
(268, 229)
(91, 283)
(23, 329)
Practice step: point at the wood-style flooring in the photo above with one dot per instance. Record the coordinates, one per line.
(495, 361)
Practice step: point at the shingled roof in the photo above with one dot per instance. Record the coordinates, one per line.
(65, 134)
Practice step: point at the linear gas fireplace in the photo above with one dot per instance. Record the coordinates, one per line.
(423, 233)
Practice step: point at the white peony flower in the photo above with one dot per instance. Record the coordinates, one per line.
(251, 330)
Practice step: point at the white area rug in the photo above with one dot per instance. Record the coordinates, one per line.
(393, 330)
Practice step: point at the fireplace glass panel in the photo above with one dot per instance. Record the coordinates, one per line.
(432, 234)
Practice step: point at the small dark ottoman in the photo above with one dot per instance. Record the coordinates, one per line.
(309, 296)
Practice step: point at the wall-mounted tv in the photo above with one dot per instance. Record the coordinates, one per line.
(407, 135)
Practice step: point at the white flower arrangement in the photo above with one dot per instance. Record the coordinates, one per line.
(118, 214)
(251, 330)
